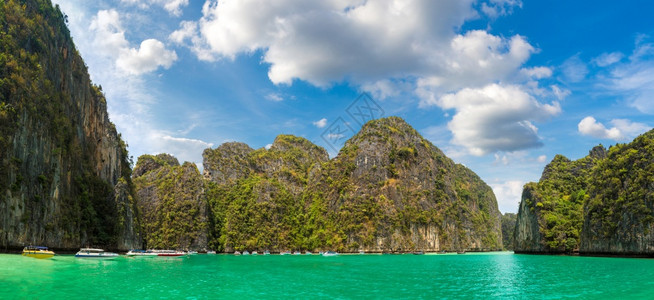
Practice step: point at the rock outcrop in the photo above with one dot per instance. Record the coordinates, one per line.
(600, 204)
(389, 189)
(618, 217)
(171, 200)
(508, 229)
(64, 170)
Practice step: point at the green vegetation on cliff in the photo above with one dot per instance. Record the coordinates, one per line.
(600, 202)
(388, 189)
(64, 170)
(170, 200)
(619, 212)
(508, 228)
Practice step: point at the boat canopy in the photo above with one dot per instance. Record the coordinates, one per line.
(36, 248)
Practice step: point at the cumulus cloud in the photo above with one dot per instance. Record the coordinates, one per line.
(366, 42)
(542, 158)
(622, 129)
(508, 195)
(151, 55)
(387, 47)
(496, 118)
(174, 7)
(320, 123)
(110, 40)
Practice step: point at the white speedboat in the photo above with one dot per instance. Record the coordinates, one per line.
(169, 253)
(141, 253)
(211, 252)
(266, 252)
(95, 253)
(329, 253)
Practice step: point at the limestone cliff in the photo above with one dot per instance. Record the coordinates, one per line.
(600, 204)
(171, 200)
(387, 190)
(618, 217)
(64, 170)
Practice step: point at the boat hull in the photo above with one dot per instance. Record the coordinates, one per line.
(96, 256)
(39, 254)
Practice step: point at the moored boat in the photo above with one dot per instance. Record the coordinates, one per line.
(297, 253)
(329, 253)
(95, 253)
(285, 253)
(266, 252)
(169, 253)
(38, 252)
(307, 253)
(246, 252)
(141, 253)
(211, 252)
(255, 253)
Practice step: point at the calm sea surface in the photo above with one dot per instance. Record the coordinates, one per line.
(479, 276)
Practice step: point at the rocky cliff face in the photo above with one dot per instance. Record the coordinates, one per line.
(171, 200)
(549, 218)
(600, 204)
(389, 189)
(508, 230)
(618, 217)
(256, 196)
(64, 171)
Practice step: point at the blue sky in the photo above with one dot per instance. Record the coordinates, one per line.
(500, 86)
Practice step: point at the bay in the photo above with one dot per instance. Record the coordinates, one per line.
(471, 276)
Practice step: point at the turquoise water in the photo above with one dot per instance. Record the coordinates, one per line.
(479, 276)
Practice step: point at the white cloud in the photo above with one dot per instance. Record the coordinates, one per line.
(497, 8)
(635, 78)
(184, 149)
(274, 97)
(537, 72)
(110, 40)
(607, 59)
(574, 69)
(508, 195)
(368, 43)
(174, 7)
(109, 33)
(496, 118)
(622, 129)
(542, 158)
(320, 123)
(560, 93)
(151, 55)
(268, 146)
